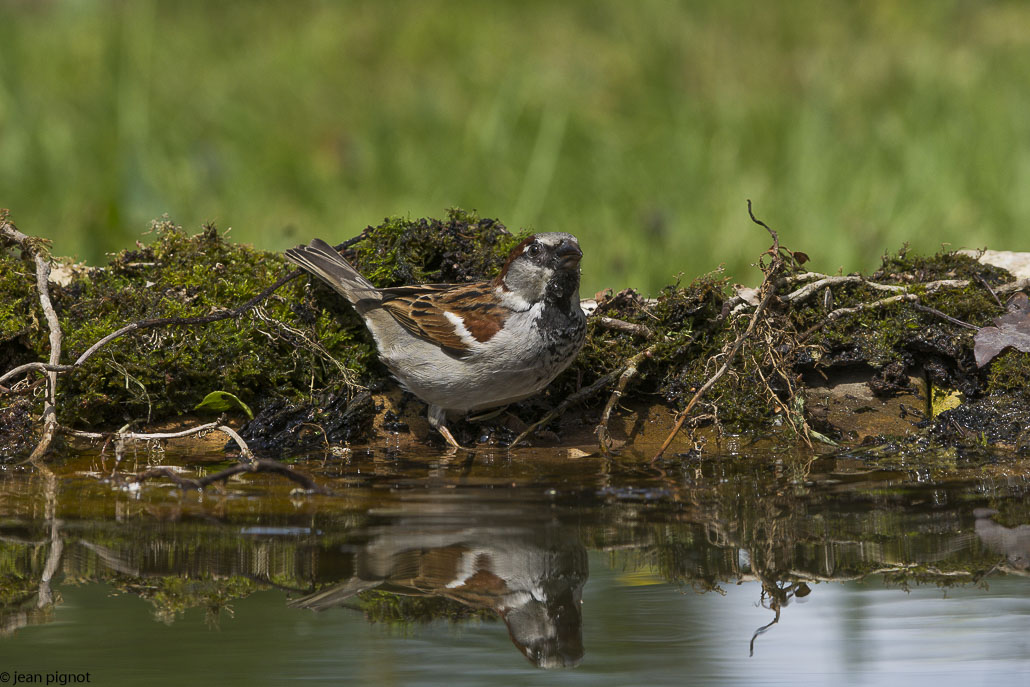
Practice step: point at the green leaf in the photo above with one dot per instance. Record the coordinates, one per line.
(222, 401)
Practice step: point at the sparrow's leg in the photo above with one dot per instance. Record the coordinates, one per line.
(438, 421)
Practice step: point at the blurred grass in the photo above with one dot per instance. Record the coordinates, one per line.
(640, 126)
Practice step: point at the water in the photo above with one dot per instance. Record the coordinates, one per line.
(536, 569)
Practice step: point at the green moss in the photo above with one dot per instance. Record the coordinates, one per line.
(906, 268)
(164, 372)
(1010, 373)
(682, 321)
(22, 329)
(900, 332)
(462, 248)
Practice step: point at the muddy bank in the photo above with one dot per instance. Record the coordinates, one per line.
(841, 361)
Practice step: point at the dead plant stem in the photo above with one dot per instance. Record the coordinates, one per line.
(769, 289)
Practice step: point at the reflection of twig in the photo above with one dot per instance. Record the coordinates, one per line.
(53, 560)
(158, 436)
(260, 465)
(778, 598)
(769, 288)
(111, 559)
(917, 567)
(762, 630)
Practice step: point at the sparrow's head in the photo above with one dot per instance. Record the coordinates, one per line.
(543, 266)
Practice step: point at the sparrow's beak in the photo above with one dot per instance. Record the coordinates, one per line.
(568, 254)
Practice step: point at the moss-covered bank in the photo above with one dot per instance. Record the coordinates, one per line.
(302, 359)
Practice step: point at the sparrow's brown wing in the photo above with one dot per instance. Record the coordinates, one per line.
(448, 315)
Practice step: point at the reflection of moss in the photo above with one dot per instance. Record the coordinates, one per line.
(400, 609)
(171, 596)
(15, 589)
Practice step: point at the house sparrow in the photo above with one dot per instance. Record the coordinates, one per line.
(465, 347)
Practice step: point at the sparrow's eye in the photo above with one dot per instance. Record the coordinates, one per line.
(534, 250)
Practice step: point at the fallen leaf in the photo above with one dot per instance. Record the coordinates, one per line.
(1011, 330)
(747, 294)
(222, 401)
(943, 399)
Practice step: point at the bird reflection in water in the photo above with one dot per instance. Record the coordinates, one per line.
(528, 569)
(1011, 542)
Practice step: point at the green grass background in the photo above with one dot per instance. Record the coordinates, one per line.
(642, 126)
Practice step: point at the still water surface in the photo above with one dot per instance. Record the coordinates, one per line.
(538, 569)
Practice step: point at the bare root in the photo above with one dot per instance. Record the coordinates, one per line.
(768, 288)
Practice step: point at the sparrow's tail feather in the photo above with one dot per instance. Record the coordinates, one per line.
(322, 260)
(335, 595)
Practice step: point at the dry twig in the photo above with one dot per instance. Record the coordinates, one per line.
(43, 288)
(812, 288)
(580, 395)
(769, 289)
(623, 326)
(629, 371)
(841, 312)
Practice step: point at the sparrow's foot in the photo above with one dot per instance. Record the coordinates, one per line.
(438, 421)
(442, 429)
